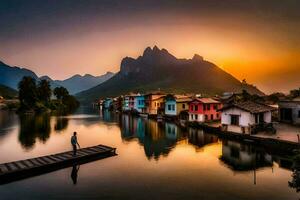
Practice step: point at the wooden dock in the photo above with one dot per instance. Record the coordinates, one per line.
(35, 166)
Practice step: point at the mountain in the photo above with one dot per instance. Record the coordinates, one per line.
(158, 69)
(7, 92)
(78, 83)
(11, 76)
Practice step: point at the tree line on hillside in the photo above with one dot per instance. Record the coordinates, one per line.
(36, 97)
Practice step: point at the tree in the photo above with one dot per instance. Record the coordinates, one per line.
(44, 91)
(295, 93)
(27, 92)
(60, 92)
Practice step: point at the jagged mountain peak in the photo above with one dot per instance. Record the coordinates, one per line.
(197, 57)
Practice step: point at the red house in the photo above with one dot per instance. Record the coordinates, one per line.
(204, 109)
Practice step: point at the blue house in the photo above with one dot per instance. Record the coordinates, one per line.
(176, 104)
(139, 103)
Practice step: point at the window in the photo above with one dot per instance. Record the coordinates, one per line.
(204, 107)
(235, 120)
(192, 116)
(211, 117)
(196, 107)
(208, 107)
(215, 107)
(169, 107)
(192, 107)
(183, 106)
(196, 117)
(298, 113)
(173, 107)
(206, 117)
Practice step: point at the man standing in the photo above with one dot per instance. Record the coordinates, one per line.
(74, 143)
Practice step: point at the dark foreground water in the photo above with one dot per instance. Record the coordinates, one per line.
(155, 161)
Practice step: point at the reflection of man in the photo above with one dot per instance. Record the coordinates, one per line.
(74, 173)
(74, 143)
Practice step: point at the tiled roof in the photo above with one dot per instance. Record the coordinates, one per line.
(207, 100)
(250, 106)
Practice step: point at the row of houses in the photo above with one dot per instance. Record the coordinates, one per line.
(184, 107)
(242, 117)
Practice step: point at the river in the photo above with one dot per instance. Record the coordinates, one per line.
(154, 161)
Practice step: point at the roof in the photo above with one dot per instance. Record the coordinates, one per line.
(250, 106)
(206, 100)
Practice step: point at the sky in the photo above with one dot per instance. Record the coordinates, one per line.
(254, 40)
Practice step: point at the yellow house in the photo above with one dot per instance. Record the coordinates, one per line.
(154, 103)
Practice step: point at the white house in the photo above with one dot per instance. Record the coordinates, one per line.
(241, 117)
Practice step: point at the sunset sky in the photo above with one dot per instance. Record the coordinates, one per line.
(255, 40)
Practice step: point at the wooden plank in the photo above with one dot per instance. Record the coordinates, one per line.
(35, 162)
(82, 152)
(3, 168)
(12, 166)
(20, 165)
(28, 163)
(92, 150)
(54, 158)
(88, 151)
(47, 160)
(61, 157)
(31, 167)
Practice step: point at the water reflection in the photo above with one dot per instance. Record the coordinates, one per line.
(61, 123)
(7, 120)
(74, 173)
(177, 164)
(34, 127)
(158, 139)
(200, 139)
(244, 157)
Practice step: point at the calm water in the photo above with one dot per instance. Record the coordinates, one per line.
(155, 161)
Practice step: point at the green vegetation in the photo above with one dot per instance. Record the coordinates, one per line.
(7, 92)
(37, 97)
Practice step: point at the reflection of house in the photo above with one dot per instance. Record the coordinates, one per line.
(171, 131)
(117, 104)
(198, 138)
(241, 117)
(125, 106)
(204, 109)
(107, 103)
(175, 104)
(289, 111)
(154, 102)
(243, 157)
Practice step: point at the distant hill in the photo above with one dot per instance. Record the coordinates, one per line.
(158, 69)
(7, 92)
(78, 83)
(11, 76)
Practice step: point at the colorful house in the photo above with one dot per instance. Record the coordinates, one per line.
(204, 109)
(154, 103)
(139, 103)
(245, 117)
(176, 104)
